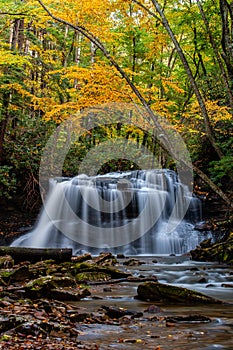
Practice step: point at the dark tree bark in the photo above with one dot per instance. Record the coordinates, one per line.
(189, 73)
(223, 75)
(4, 122)
(35, 254)
(226, 11)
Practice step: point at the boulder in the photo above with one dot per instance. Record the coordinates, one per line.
(164, 292)
(55, 287)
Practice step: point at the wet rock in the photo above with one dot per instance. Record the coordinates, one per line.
(68, 295)
(164, 292)
(188, 319)
(142, 278)
(92, 267)
(51, 282)
(132, 341)
(203, 226)
(105, 259)
(81, 258)
(202, 280)
(227, 285)
(7, 323)
(30, 328)
(206, 243)
(115, 312)
(92, 276)
(80, 317)
(47, 285)
(153, 309)
(219, 251)
(20, 274)
(133, 262)
(193, 268)
(120, 256)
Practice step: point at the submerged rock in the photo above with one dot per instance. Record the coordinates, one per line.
(118, 312)
(191, 319)
(164, 292)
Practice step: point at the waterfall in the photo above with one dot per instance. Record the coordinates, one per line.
(134, 212)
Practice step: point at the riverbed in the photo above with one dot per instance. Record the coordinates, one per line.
(153, 330)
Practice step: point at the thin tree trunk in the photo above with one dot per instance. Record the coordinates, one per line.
(189, 73)
(4, 122)
(226, 10)
(223, 75)
(214, 187)
(165, 143)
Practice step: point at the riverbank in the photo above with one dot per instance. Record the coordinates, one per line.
(106, 313)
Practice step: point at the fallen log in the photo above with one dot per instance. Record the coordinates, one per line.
(33, 255)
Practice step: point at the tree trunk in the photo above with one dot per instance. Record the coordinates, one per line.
(4, 122)
(34, 254)
(214, 187)
(223, 75)
(226, 12)
(189, 73)
(165, 142)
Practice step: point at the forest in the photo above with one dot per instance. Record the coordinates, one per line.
(59, 59)
(142, 88)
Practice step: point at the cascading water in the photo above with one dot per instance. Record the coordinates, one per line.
(138, 212)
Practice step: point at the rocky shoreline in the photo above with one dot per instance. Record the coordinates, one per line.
(39, 302)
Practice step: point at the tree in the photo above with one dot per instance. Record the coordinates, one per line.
(62, 58)
(99, 44)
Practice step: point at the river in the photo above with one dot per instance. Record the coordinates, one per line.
(152, 330)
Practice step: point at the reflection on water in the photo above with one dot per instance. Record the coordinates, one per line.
(151, 330)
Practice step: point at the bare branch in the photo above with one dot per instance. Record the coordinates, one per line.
(147, 10)
(14, 14)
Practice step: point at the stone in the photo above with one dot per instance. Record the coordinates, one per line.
(188, 319)
(118, 312)
(69, 295)
(164, 292)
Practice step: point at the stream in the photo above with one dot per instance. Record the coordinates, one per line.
(151, 330)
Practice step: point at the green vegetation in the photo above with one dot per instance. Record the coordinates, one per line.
(173, 58)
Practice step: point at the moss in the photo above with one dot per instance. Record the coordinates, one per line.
(219, 251)
(92, 276)
(160, 291)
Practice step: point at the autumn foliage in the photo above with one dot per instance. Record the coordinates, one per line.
(60, 58)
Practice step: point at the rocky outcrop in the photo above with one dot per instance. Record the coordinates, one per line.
(164, 292)
(221, 252)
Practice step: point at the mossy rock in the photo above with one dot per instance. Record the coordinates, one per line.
(221, 252)
(94, 268)
(70, 295)
(15, 275)
(92, 277)
(50, 282)
(54, 287)
(164, 292)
